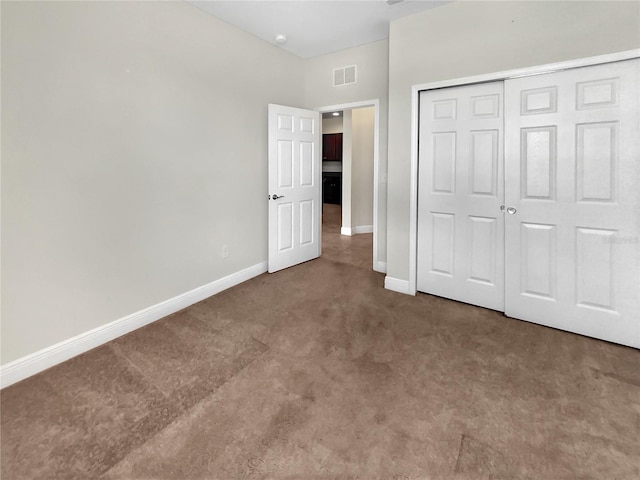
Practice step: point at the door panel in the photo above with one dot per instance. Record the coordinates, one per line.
(294, 178)
(483, 162)
(538, 154)
(572, 174)
(482, 239)
(460, 190)
(538, 247)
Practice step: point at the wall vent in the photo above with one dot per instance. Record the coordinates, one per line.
(344, 76)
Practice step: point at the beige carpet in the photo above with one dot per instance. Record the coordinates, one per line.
(318, 372)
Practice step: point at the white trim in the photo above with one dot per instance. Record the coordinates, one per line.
(350, 231)
(376, 159)
(413, 193)
(349, 106)
(380, 267)
(346, 208)
(362, 229)
(488, 77)
(397, 285)
(36, 362)
(534, 70)
(376, 177)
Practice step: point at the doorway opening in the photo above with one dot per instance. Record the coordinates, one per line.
(350, 176)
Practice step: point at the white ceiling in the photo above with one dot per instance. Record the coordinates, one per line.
(315, 27)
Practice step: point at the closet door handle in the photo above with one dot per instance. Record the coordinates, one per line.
(511, 210)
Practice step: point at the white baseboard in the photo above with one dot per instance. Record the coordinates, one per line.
(380, 267)
(36, 362)
(362, 229)
(397, 285)
(350, 231)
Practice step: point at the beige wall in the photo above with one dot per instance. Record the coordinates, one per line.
(373, 74)
(332, 125)
(469, 38)
(356, 165)
(130, 127)
(362, 123)
(134, 142)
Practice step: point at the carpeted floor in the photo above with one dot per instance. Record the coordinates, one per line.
(318, 372)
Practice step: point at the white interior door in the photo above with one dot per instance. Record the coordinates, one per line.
(573, 186)
(295, 203)
(460, 190)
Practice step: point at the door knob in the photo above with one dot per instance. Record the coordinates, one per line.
(502, 208)
(511, 210)
(276, 196)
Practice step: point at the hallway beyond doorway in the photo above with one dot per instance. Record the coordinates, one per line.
(355, 250)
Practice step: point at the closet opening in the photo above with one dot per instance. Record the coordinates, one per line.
(524, 185)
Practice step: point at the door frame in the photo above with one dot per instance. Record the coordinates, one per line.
(411, 288)
(375, 103)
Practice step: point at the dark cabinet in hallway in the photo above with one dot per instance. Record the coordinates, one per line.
(332, 147)
(332, 187)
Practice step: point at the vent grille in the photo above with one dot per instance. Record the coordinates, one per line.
(344, 76)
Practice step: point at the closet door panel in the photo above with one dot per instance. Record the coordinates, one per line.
(572, 173)
(460, 190)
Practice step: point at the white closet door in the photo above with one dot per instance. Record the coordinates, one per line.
(573, 178)
(460, 189)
